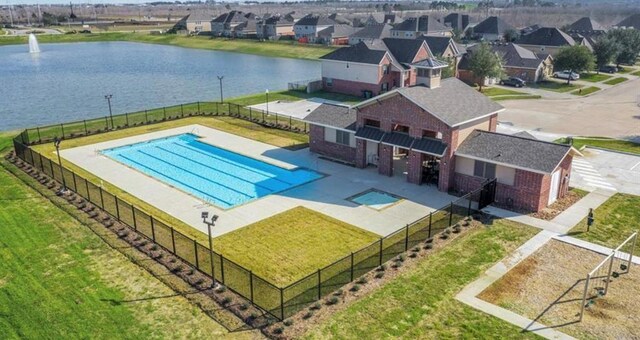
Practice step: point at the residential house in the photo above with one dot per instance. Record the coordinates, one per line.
(412, 28)
(632, 21)
(442, 132)
(306, 29)
(337, 34)
(370, 68)
(274, 27)
(458, 22)
(381, 18)
(225, 24)
(547, 40)
(370, 33)
(198, 22)
(518, 62)
(444, 48)
(491, 29)
(586, 28)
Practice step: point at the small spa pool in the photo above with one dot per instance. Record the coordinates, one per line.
(375, 199)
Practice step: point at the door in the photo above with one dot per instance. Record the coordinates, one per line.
(372, 152)
(555, 187)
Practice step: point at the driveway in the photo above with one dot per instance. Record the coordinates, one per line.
(612, 112)
(607, 170)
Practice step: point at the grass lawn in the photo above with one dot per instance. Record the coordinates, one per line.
(626, 69)
(288, 246)
(604, 143)
(637, 74)
(516, 97)
(498, 91)
(555, 86)
(594, 77)
(585, 91)
(232, 125)
(294, 96)
(420, 304)
(272, 49)
(615, 81)
(60, 280)
(614, 221)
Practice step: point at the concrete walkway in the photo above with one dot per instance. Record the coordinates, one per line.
(594, 247)
(577, 212)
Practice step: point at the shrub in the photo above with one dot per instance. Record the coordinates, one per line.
(191, 271)
(429, 240)
(226, 300)
(396, 265)
(137, 238)
(362, 280)
(307, 315)
(428, 246)
(355, 288)
(332, 300)
(338, 292)
(177, 268)
(456, 230)
(144, 243)
(415, 249)
(444, 236)
(413, 255)
(315, 306)
(379, 275)
(381, 268)
(287, 322)
(244, 306)
(278, 330)
(400, 258)
(221, 289)
(154, 247)
(447, 231)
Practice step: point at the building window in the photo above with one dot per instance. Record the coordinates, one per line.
(385, 69)
(372, 123)
(342, 137)
(384, 86)
(329, 82)
(423, 72)
(484, 169)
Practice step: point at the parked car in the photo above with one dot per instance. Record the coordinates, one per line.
(513, 81)
(608, 69)
(566, 75)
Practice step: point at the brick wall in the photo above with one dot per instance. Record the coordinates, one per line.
(527, 75)
(318, 145)
(493, 123)
(353, 88)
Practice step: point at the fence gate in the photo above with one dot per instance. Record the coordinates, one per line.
(487, 194)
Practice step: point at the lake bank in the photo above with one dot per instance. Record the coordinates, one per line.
(270, 49)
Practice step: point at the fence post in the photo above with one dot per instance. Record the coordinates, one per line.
(406, 238)
(380, 252)
(217, 109)
(133, 213)
(351, 266)
(251, 286)
(198, 106)
(584, 295)
(75, 184)
(182, 110)
(86, 185)
(53, 174)
(195, 251)
(319, 285)
(281, 304)
(430, 215)
(290, 126)
(276, 118)
(117, 207)
(173, 242)
(262, 116)
(451, 213)
(164, 111)
(62, 127)
(106, 123)
(86, 132)
(606, 283)
(101, 198)
(153, 231)
(250, 115)
(469, 208)
(633, 245)
(38, 130)
(126, 117)
(146, 117)
(222, 268)
(229, 105)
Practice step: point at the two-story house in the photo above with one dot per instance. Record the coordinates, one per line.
(275, 26)
(307, 28)
(371, 68)
(491, 29)
(548, 40)
(198, 22)
(442, 132)
(412, 28)
(225, 24)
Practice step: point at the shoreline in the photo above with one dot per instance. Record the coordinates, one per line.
(268, 49)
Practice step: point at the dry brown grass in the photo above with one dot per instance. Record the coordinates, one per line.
(547, 287)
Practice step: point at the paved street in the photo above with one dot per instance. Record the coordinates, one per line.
(612, 112)
(600, 169)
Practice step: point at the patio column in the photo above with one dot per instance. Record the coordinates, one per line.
(361, 153)
(385, 160)
(414, 169)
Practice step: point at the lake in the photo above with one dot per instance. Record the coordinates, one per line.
(68, 82)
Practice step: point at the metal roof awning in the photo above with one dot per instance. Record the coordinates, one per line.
(369, 133)
(429, 146)
(398, 139)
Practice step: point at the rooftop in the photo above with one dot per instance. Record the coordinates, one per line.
(546, 36)
(337, 116)
(423, 23)
(492, 25)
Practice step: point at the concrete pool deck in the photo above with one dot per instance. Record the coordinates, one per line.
(297, 109)
(328, 195)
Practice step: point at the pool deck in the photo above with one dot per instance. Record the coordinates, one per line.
(327, 195)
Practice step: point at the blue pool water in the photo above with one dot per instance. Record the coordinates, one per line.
(218, 176)
(375, 199)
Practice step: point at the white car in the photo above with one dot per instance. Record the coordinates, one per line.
(566, 75)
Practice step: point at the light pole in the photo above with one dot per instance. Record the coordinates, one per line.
(108, 98)
(267, 94)
(211, 223)
(221, 97)
(56, 143)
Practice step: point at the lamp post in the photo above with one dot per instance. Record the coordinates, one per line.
(267, 94)
(56, 143)
(108, 98)
(210, 223)
(221, 97)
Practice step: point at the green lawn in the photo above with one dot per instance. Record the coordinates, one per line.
(60, 280)
(555, 86)
(516, 97)
(594, 77)
(272, 49)
(614, 221)
(498, 91)
(637, 74)
(626, 69)
(615, 81)
(290, 245)
(294, 96)
(585, 91)
(420, 303)
(604, 143)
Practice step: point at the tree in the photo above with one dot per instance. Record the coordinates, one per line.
(629, 42)
(575, 58)
(485, 63)
(605, 51)
(511, 35)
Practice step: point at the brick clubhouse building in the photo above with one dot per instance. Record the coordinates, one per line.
(442, 132)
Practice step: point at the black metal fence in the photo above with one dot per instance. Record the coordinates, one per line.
(281, 302)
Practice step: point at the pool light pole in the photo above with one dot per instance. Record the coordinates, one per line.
(221, 97)
(267, 94)
(210, 223)
(108, 98)
(56, 143)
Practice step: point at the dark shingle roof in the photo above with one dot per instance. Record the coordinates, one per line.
(585, 24)
(546, 36)
(423, 24)
(338, 31)
(454, 102)
(457, 21)
(514, 55)
(431, 63)
(630, 21)
(438, 45)
(525, 134)
(492, 25)
(198, 16)
(233, 16)
(314, 20)
(404, 50)
(358, 53)
(512, 150)
(377, 31)
(337, 116)
(370, 133)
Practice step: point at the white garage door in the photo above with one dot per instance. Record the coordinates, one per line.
(555, 187)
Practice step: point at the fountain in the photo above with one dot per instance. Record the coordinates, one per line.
(33, 44)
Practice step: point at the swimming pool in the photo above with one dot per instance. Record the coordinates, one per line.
(375, 199)
(218, 176)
